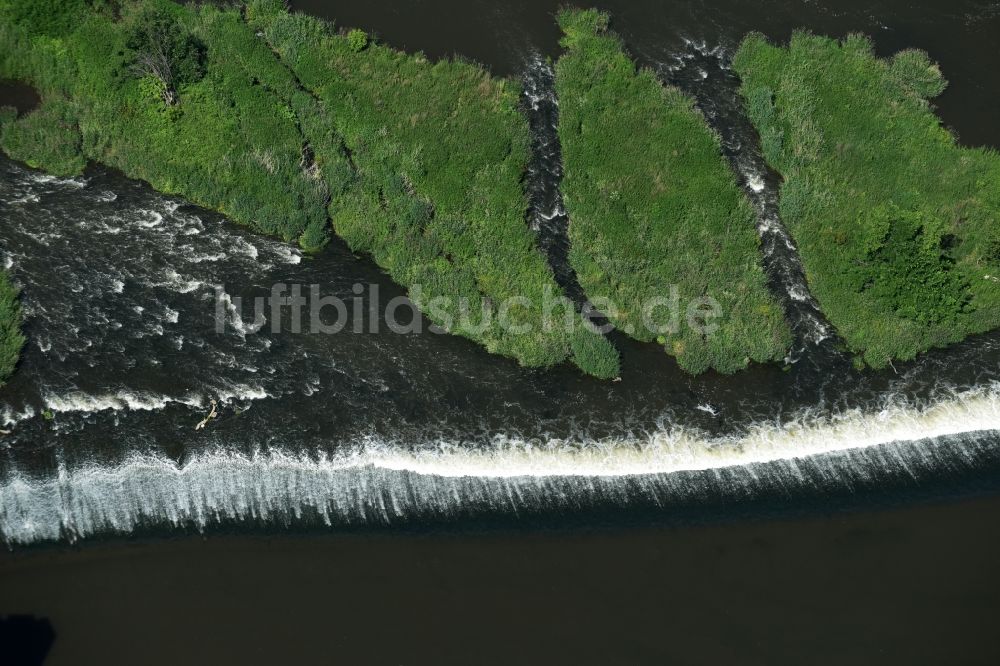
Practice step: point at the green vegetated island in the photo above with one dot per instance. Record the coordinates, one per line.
(897, 225)
(653, 205)
(298, 130)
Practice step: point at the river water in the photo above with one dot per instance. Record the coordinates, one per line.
(121, 288)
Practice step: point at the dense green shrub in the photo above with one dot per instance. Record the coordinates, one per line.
(11, 339)
(590, 352)
(653, 206)
(54, 18)
(908, 267)
(228, 143)
(357, 40)
(162, 49)
(437, 153)
(47, 138)
(895, 223)
(913, 68)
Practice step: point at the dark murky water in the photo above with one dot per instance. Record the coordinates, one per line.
(960, 35)
(908, 586)
(121, 288)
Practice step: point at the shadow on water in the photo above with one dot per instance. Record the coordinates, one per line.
(25, 640)
(21, 96)
(914, 586)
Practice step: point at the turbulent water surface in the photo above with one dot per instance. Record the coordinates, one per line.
(122, 288)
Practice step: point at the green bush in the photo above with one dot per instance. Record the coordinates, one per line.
(357, 40)
(8, 114)
(162, 49)
(594, 356)
(53, 18)
(913, 68)
(11, 339)
(47, 138)
(909, 269)
(895, 223)
(654, 206)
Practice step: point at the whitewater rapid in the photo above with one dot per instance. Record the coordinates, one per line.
(383, 482)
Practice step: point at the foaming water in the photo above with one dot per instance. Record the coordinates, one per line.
(671, 449)
(384, 482)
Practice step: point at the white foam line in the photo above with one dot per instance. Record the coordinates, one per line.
(45, 179)
(126, 400)
(80, 402)
(677, 449)
(665, 451)
(365, 483)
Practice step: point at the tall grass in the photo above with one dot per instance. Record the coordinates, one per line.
(229, 143)
(653, 204)
(895, 222)
(438, 151)
(11, 339)
(47, 138)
